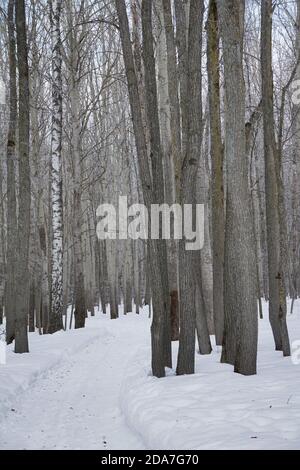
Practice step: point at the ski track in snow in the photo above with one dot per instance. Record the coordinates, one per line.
(76, 406)
(92, 389)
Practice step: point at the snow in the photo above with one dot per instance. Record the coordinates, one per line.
(92, 389)
(65, 393)
(215, 408)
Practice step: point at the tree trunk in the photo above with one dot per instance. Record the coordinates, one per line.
(2, 247)
(240, 302)
(22, 275)
(156, 160)
(201, 324)
(31, 323)
(76, 149)
(181, 15)
(10, 298)
(187, 271)
(159, 307)
(216, 148)
(56, 294)
(173, 154)
(295, 242)
(277, 295)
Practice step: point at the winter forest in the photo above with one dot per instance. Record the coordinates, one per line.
(113, 115)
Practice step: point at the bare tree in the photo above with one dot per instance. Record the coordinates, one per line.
(240, 303)
(216, 149)
(10, 299)
(55, 321)
(22, 274)
(156, 159)
(159, 305)
(187, 271)
(277, 293)
(295, 239)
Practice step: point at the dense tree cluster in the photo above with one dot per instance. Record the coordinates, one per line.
(162, 101)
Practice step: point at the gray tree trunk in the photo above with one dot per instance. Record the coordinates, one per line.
(159, 311)
(2, 244)
(240, 303)
(10, 298)
(216, 149)
(181, 10)
(76, 41)
(173, 156)
(187, 271)
(277, 294)
(156, 161)
(295, 243)
(22, 275)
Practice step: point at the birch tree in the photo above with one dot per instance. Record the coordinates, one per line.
(55, 322)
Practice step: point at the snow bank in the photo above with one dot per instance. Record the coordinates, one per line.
(217, 409)
(46, 353)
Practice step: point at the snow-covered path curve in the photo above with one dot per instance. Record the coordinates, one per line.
(76, 406)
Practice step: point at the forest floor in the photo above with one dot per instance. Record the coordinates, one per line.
(215, 408)
(92, 389)
(65, 393)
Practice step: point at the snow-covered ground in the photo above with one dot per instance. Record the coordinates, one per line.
(217, 409)
(92, 389)
(65, 393)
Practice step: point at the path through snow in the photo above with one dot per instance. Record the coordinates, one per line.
(68, 393)
(76, 406)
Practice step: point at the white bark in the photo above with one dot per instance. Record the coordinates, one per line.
(56, 173)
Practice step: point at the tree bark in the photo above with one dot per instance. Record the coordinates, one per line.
(56, 294)
(159, 306)
(216, 149)
(240, 302)
(173, 154)
(10, 298)
(156, 161)
(187, 271)
(295, 238)
(22, 275)
(277, 295)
